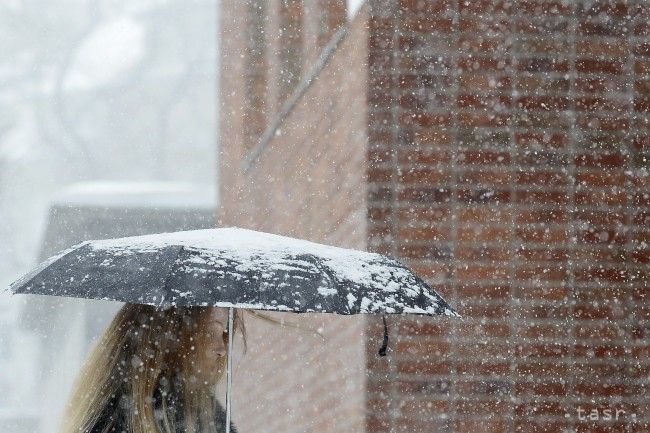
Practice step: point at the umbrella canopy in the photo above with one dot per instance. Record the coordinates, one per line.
(234, 267)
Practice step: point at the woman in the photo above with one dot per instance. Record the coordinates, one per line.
(154, 371)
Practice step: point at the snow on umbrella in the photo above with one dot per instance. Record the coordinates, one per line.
(234, 268)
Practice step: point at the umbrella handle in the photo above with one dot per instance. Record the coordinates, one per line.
(231, 314)
(384, 345)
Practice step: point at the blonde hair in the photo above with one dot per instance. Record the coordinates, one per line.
(142, 347)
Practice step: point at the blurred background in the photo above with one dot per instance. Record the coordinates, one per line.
(108, 115)
(499, 148)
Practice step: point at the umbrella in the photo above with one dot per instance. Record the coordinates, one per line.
(234, 268)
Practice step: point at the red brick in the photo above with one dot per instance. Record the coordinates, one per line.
(601, 217)
(483, 291)
(427, 25)
(543, 8)
(477, 25)
(542, 216)
(426, 8)
(484, 6)
(468, 157)
(595, 27)
(543, 103)
(423, 156)
(542, 26)
(599, 66)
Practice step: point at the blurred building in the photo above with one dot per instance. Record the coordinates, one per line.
(498, 148)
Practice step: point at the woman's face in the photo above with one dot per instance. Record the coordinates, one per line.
(218, 330)
(214, 338)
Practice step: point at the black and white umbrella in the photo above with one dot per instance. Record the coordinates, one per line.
(234, 268)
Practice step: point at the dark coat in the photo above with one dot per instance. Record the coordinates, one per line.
(113, 417)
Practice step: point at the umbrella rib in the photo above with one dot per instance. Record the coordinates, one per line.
(337, 284)
(326, 271)
(30, 275)
(169, 275)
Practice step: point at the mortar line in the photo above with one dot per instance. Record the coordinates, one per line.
(571, 248)
(394, 86)
(514, 323)
(628, 304)
(453, 239)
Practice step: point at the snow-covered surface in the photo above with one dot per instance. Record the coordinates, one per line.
(138, 194)
(250, 246)
(235, 267)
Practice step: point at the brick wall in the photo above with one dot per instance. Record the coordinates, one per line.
(507, 162)
(303, 177)
(509, 166)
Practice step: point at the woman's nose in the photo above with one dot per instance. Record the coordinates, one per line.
(220, 347)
